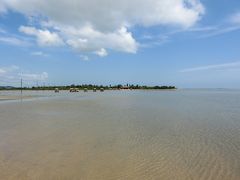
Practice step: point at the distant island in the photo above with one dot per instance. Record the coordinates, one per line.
(91, 87)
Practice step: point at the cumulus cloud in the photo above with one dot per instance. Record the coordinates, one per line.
(93, 25)
(44, 37)
(87, 39)
(109, 14)
(102, 52)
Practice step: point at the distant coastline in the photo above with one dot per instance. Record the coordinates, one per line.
(91, 87)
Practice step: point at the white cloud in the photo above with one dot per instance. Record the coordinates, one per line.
(6, 70)
(235, 18)
(8, 74)
(13, 41)
(87, 39)
(231, 24)
(221, 30)
(34, 77)
(11, 75)
(2, 7)
(109, 14)
(224, 66)
(202, 29)
(44, 37)
(39, 53)
(102, 52)
(84, 57)
(89, 26)
(2, 71)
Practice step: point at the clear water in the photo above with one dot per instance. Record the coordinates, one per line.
(183, 134)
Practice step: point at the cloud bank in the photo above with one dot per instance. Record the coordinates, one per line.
(34, 77)
(13, 74)
(96, 26)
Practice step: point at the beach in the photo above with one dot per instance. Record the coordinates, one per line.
(180, 135)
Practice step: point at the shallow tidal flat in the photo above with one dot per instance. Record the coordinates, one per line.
(172, 135)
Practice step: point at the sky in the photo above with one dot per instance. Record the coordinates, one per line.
(185, 43)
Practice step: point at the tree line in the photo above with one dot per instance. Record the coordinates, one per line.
(90, 87)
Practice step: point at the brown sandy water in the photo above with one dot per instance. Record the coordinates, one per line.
(183, 134)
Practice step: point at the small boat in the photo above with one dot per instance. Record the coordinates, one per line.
(94, 90)
(102, 89)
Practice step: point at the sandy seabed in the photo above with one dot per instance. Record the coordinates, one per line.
(115, 135)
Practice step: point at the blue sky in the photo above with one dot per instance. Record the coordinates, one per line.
(186, 43)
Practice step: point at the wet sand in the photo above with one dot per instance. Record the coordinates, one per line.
(7, 98)
(9, 95)
(122, 135)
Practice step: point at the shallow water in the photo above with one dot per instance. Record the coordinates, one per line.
(183, 134)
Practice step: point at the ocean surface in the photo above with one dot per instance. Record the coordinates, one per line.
(125, 135)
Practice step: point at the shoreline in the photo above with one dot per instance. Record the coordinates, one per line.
(12, 98)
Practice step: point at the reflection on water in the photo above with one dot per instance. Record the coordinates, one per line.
(183, 134)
